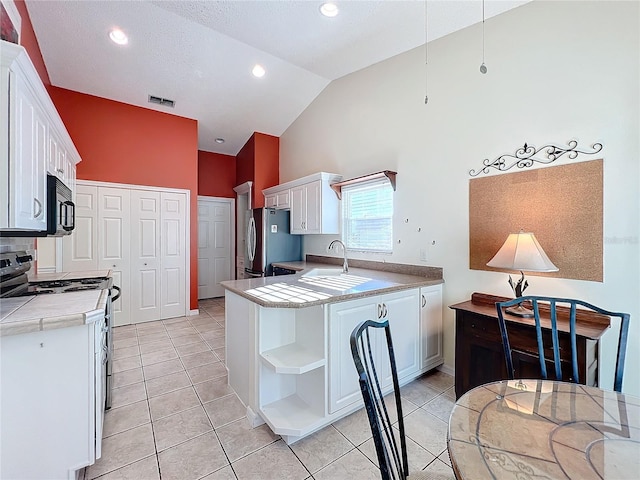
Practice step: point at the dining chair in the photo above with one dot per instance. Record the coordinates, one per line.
(392, 458)
(561, 308)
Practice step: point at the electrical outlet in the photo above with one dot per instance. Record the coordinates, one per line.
(423, 254)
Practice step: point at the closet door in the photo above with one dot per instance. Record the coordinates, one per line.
(145, 255)
(114, 252)
(80, 250)
(173, 281)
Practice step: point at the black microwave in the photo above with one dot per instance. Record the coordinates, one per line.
(61, 211)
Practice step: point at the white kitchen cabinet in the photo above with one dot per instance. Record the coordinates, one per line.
(344, 389)
(52, 402)
(61, 163)
(401, 310)
(431, 327)
(278, 200)
(315, 207)
(29, 126)
(292, 361)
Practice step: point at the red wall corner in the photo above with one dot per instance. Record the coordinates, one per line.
(216, 174)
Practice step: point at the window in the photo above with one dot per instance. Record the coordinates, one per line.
(367, 216)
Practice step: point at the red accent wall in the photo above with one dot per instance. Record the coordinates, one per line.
(30, 43)
(123, 143)
(216, 174)
(258, 161)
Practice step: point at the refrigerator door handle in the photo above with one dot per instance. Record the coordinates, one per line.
(251, 239)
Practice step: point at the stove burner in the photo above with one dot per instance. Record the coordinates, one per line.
(80, 288)
(90, 281)
(53, 284)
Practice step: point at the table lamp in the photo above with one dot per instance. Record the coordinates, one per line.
(521, 251)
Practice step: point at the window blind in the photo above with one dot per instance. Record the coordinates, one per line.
(367, 216)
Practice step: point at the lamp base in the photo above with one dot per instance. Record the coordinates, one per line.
(519, 311)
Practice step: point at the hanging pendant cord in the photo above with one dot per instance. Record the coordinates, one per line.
(426, 55)
(483, 67)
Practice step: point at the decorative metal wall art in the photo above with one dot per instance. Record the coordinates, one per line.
(525, 157)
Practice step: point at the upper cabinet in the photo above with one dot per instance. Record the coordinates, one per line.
(314, 206)
(38, 143)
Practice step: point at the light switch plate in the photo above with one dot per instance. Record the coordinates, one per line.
(274, 228)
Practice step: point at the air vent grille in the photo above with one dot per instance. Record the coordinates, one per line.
(161, 101)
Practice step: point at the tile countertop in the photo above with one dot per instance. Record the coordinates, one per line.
(296, 291)
(45, 312)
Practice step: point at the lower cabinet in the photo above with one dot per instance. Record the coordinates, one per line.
(293, 368)
(52, 401)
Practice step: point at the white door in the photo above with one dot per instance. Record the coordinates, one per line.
(114, 251)
(80, 249)
(145, 255)
(214, 246)
(173, 214)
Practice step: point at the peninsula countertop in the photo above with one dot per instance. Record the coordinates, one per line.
(304, 290)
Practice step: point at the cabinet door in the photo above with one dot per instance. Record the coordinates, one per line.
(145, 255)
(298, 209)
(431, 326)
(80, 250)
(313, 221)
(28, 151)
(282, 200)
(271, 201)
(344, 389)
(114, 245)
(401, 310)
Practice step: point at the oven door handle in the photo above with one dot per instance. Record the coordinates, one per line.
(117, 296)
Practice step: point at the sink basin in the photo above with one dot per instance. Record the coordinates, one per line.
(322, 272)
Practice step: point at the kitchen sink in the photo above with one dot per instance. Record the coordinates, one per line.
(322, 272)
(337, 281)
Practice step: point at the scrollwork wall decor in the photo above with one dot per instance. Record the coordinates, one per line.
(524, 157)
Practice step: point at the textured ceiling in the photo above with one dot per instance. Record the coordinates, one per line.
(200, 53)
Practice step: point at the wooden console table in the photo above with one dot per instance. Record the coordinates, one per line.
(479, 352)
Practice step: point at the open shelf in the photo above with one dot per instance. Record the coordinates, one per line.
(292, 416)
(292, 359)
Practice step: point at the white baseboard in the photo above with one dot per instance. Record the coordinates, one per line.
(447, 369)
(255, 420)
(194, 312)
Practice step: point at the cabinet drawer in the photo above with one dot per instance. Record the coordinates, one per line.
(482, 327)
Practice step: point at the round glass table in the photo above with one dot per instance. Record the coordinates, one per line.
(539, 429)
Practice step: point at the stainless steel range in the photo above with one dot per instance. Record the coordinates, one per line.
(14, 282)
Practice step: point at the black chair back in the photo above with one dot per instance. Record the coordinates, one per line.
(570, 306)
(392, 458)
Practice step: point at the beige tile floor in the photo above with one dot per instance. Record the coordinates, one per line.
(175, 417)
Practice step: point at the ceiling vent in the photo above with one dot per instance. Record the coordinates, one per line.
(162, 101)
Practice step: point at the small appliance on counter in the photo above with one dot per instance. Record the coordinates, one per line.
(14, 282)
(268, 241)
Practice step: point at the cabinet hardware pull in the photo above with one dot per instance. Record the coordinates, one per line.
(424, 301)
(379, 311)
(59, 170)
(38, 204)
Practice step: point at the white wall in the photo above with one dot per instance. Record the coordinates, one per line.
(557, 71)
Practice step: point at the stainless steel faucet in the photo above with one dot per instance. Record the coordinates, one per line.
(345, 265)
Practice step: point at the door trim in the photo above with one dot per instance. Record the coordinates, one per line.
(232, 226)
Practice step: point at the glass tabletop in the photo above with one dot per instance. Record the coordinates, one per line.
(538, 429)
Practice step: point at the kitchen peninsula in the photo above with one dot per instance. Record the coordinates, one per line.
(287, 338)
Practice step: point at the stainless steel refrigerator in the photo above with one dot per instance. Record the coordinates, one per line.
(268, 240)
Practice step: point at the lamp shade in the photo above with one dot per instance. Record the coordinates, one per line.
(521, 251)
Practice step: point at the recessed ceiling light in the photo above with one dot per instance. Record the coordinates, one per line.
(219, 140)
(118, 36)
(329, 9)
(258, 71)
